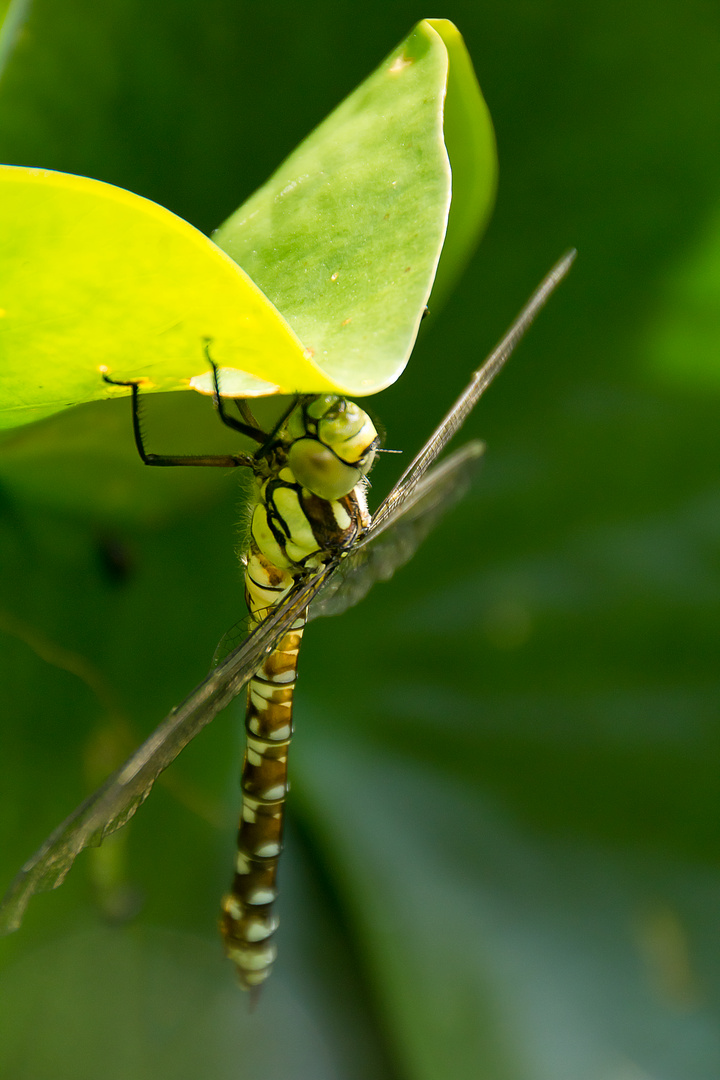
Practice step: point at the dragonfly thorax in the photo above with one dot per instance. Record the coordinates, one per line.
(295, 530)
(310, 495)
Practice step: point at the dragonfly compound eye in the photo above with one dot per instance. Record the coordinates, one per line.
(350, 432)
(320, 470)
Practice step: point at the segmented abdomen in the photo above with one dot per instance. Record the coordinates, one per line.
(248, 921)
(292, 532)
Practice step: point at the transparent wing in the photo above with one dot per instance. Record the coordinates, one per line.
(397, 536)
(421, 497)
(113, 804)
(231, 639)
(472, 393)
(404, 518)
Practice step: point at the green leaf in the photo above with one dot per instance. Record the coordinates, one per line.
(159, 1010)
(470, 142)
(94, 277)
(345, 237)
(488, 943)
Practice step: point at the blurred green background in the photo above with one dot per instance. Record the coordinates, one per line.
(502, 859)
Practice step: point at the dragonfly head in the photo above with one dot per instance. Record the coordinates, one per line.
(333, 445)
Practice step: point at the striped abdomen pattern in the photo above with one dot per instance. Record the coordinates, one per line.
(248, 920)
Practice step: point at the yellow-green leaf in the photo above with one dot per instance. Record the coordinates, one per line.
(92, 276)
(470, 142)
(344, 239)
(346, 236)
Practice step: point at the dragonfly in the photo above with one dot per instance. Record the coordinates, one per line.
(313, 550)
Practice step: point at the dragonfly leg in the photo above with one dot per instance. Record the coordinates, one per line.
(226, 461)
(248, 430)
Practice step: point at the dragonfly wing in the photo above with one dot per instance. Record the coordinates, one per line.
(230, 640)
(115, 802)
(396, 538)
(481, 379)
(423, 493)
(412, 508)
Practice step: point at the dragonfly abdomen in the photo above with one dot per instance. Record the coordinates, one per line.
(248, 921)
(287, 520)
